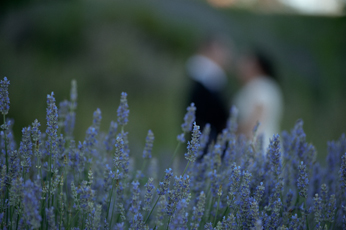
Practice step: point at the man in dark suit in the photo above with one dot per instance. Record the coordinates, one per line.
(208, 79)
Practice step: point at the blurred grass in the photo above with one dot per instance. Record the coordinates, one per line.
(141, 47)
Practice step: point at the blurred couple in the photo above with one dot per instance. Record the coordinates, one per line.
(259, 98)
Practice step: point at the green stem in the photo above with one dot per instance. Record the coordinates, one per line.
(17, 221)
(297, 200)
(110, 223)
(110, 199)
(306, 216)
(10, 218)
(225, 212)
(175, 151)
(144, 165)
(117, 220)
(73, 218)
(83, 215)
(210, 205)
(172, 160)
(152, 210)
(217, 210)
(174, 154)
(68, 218)
(203, 220)
(42, 212)
(335, 214)
(169, 221)
(186, 167)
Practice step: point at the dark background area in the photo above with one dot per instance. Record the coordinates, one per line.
(141, 47)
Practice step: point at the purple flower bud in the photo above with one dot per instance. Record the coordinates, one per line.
(303, 180)
(193, 146)
(148, 145)
(163, 186)
(189, 118)
(4, 99)
(123, 111)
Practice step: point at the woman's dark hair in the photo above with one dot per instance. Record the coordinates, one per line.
(265, 64)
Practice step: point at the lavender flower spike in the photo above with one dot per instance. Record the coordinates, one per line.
(25, 149)
(121, 161)
(73, 94)
(163, 186)
(198, 212)
(259, 192)
(180, 217)
(303, 180)
(97, 117)
(111, 136)
(330, 209)
(189, 118)
(342, 172)
(123, 110)
(135, 202)
(52, 116)
(193, 146)
(148, 145)
(51, 218)
(63, 112)
(36, 133)
(4, 99)
(31, 204)
(317, 211)
(274, 154)
(149, 189)
(52, 126)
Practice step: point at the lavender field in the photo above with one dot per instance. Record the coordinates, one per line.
(51, 181)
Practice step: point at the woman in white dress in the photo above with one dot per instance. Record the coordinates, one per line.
(260, 98)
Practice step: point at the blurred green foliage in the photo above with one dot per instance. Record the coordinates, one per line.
(141, 47)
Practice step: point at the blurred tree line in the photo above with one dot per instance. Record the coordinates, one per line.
(141, 47)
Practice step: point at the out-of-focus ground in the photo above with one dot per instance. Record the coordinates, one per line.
(141, 47)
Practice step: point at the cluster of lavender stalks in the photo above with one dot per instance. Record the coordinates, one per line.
(52, 181)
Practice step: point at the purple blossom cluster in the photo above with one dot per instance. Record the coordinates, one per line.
(49, 180)
(4, 99)
(189, 118)
(149, 142)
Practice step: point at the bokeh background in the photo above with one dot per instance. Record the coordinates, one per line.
(141, 47)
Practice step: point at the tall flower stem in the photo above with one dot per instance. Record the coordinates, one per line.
(71, 221)
(306, 216)
(17, 221)
(175, 152)
(187, 165)
(217, 210)
(225, 212)
(203, 219)
(169, 221)
(144, 165)
(110, 223)
(152, 210)
(43, 212)
(110, 199)
(210, 205)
